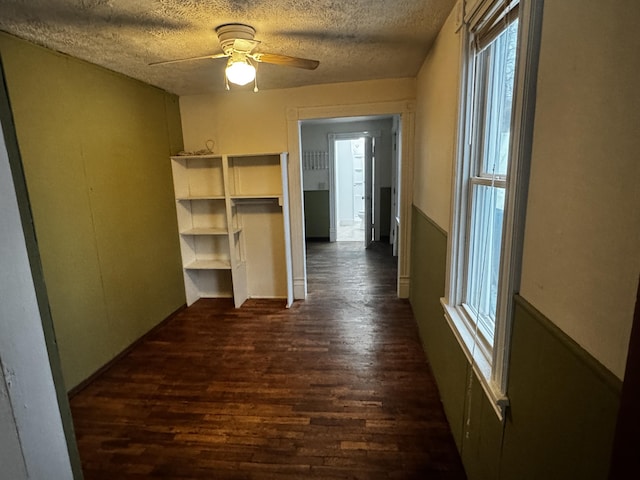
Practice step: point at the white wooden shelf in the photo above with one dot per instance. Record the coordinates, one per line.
(209, 265)
(191, 157)
(258, 196)
(256, 199)
(234, 209)
(201, 197)
(210, 231)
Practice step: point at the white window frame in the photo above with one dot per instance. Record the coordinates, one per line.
(491, 363)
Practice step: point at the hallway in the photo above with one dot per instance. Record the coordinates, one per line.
(336, 387)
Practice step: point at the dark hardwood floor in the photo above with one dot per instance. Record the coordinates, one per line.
(336, 387)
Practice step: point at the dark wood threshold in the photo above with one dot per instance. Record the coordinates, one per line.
(82, 385)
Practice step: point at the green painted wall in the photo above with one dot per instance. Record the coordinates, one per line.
(428, 269)
(95, 148)
(316, 213)
(563, 403)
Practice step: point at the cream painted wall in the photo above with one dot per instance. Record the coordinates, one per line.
(244, 122)
(247, 122)
(581, 256)
(315, 137)
(582, 243)
(95, 147)
(436, 125)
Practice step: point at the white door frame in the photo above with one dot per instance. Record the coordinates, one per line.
(406, 110)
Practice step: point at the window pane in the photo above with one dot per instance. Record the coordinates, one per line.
(484, 255)
(499, 60)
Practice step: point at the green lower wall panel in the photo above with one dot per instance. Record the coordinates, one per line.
(482, 434)
(316, 213)
(449, 365)
(563, 404)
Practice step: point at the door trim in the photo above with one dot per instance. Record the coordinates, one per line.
(406, 111)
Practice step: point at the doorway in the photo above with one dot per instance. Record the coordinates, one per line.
(309, 162)
(348, 173)
(348, 176)
(352, 158)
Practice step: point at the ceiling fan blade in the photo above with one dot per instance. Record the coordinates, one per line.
(202, 57)
(286, 60)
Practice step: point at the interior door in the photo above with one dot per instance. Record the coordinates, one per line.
(368, 191)
(395, 176)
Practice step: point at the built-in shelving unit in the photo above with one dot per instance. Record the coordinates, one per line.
(233, 220)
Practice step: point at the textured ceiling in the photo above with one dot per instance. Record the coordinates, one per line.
(352, 39)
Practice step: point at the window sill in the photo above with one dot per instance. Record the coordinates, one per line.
(479, 359)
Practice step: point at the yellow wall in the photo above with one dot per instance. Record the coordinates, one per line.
(95, 148)
(436, 125)
(247, 122)
(581, 260)
(582, 255)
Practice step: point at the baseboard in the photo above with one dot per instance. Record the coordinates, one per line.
(404, 286)
(82, 385)
(300, 288)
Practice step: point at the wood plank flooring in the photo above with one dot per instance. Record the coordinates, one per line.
(336, 387)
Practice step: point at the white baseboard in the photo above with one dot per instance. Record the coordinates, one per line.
(404, 284)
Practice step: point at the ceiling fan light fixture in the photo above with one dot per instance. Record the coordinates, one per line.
(238, 43)
(240, 72)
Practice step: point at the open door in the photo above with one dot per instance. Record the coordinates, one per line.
(395, 190)
(369, 211)
(36, 427)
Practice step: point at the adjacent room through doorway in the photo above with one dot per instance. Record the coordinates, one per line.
(353, 195)
(350, 170)
(350, 175)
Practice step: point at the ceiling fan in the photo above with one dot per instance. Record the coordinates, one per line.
(237, 43)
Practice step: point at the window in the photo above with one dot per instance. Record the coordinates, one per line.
(490, 183)
(489, 160)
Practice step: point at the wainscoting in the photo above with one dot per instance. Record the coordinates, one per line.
(563, 403)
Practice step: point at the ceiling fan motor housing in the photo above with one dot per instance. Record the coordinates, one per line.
(230, 32)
